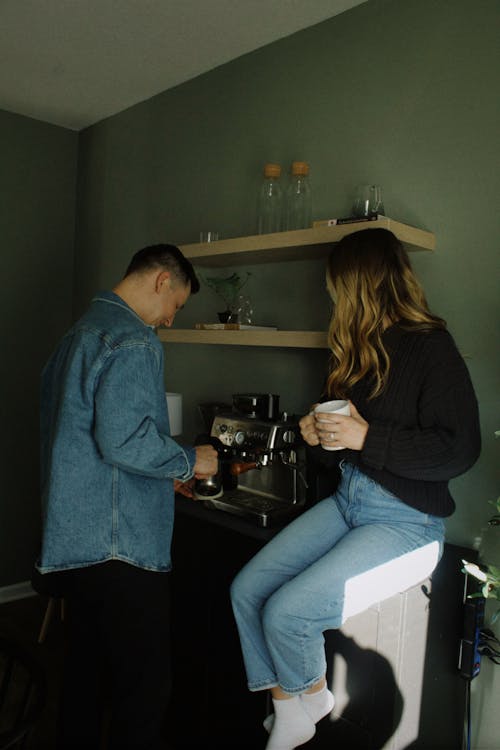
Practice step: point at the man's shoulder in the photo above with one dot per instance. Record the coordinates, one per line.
(112, 321)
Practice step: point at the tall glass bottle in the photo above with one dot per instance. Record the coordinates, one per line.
(298, 198)
(270, 204)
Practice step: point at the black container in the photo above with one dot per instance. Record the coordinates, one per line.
(257, 405)
(211, 487)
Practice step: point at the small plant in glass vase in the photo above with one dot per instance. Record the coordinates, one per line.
(487, 575)
(228, 289)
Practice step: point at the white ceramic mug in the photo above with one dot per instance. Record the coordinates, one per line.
(338, 406)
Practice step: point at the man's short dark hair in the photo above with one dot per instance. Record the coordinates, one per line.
(168, 258)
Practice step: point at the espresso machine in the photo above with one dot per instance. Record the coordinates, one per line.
(261, 472)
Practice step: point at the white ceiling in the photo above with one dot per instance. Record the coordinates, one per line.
(75, 62)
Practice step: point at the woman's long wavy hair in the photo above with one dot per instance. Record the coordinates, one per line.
(372, 284)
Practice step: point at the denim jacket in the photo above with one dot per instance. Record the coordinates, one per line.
(107, 460)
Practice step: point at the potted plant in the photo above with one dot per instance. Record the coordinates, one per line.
(227, 288)
(487, 575)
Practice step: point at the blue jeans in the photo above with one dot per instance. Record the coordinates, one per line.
(348, 552)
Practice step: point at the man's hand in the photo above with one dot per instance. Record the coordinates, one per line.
(206, 461)
(184, 488)
(342, 430)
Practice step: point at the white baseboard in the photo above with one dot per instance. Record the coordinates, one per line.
(16, 591)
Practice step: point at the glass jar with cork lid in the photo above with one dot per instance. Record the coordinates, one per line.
(298, 197)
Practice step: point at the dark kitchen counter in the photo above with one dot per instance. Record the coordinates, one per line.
(197, 510)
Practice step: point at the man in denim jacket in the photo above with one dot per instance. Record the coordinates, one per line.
(108, 472)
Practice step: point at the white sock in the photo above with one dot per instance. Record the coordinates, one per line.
(292, 725)
(317, 705)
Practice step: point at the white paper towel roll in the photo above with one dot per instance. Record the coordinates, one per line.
(174, 404)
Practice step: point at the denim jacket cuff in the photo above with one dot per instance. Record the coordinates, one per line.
(189, 458)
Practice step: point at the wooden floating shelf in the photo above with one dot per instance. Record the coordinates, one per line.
(296, 339)
(301, 244)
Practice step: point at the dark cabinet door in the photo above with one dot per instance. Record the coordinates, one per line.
(210, 703)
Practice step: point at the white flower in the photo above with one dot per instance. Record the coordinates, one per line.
(475, 571)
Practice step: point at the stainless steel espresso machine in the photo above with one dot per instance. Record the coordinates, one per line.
(261, 462)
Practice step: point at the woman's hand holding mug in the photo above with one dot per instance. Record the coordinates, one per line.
(335, 425)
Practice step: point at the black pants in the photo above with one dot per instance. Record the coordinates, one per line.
(117, 672)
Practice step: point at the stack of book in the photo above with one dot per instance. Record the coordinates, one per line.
(347, 220)
(232, 327)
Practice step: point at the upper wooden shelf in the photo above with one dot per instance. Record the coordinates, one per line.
(301, 244)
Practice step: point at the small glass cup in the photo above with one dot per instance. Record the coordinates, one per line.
(209, 236)
(367, 201)
(242, 310)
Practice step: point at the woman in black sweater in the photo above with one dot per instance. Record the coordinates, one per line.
(413, 426)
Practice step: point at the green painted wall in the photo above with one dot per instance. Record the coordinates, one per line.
(37, 189)
(399, 93)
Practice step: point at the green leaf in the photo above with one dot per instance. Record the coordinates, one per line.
(227, 287)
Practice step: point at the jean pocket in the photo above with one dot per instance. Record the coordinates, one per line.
(380, 490)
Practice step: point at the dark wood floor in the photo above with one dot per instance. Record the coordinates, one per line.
(22, 619)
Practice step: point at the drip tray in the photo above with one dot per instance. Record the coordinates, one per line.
(263, 510)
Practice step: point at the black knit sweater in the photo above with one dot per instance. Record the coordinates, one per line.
(423, 428)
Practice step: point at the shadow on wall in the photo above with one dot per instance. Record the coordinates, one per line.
(375, 704)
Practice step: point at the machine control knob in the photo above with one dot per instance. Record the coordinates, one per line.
(289, 436)
(239, 437)
(223, 427)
